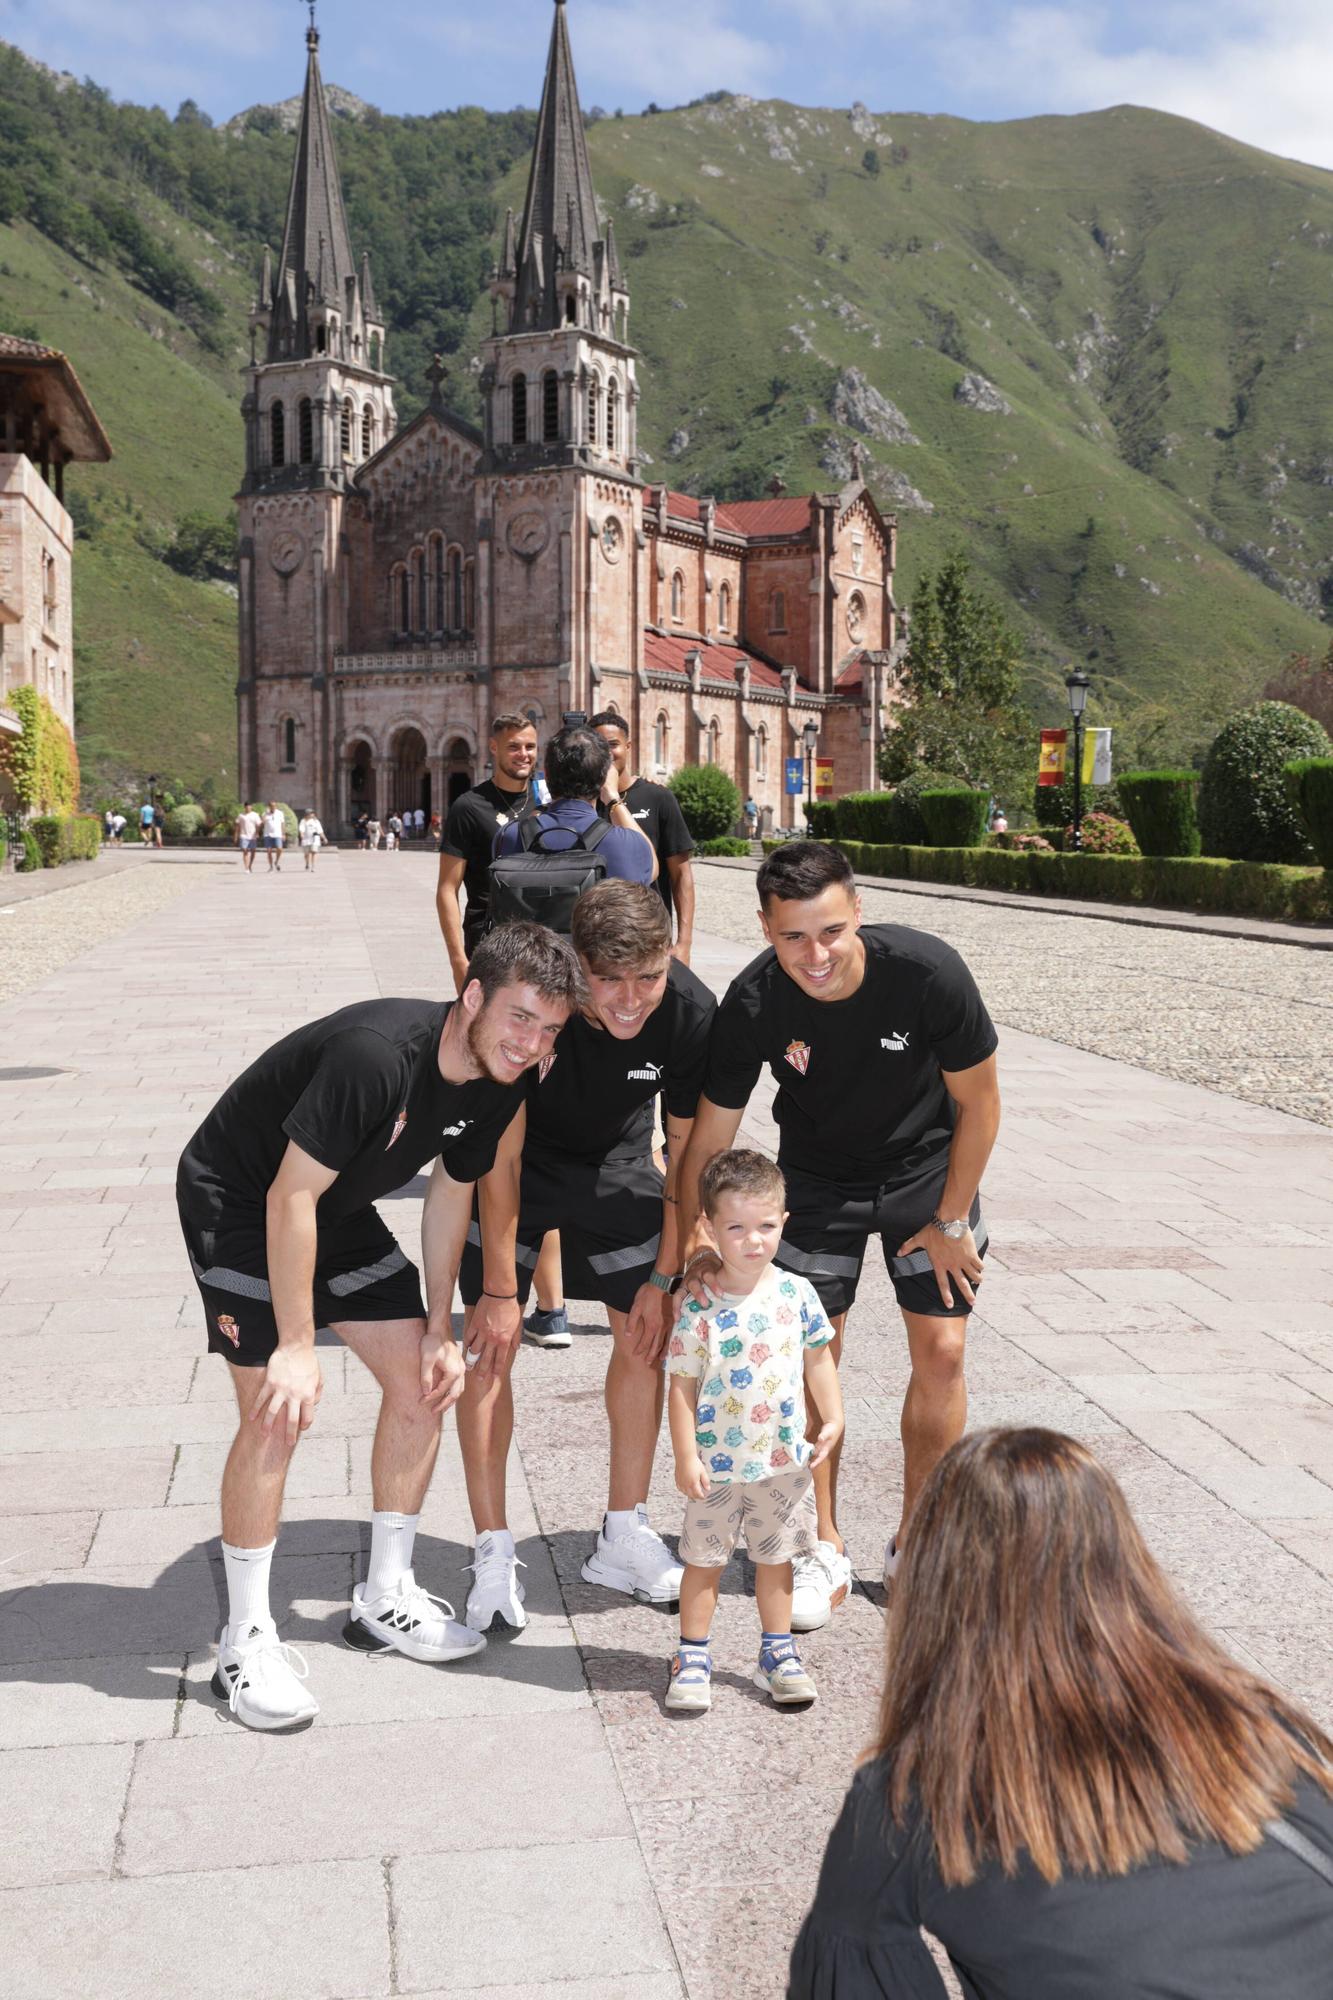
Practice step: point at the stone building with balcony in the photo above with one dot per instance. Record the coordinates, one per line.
(398, 587)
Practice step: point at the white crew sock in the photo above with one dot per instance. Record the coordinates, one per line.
(391, 1540)
(247, 1585)
(624, 1522)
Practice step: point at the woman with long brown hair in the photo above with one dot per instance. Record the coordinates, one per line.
(1073, 1787)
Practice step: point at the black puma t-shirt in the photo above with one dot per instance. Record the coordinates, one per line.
(860, 1094)
(475, 818)
(655, 810)
(361, 1092)
(592, 1098)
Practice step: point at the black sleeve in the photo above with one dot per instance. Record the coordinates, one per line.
(673, 836)
(960, 1031)
(474, 1154)
(354, 1089)
(460, 830)
(735, 1057)
(861, 1939)
(688, 1063)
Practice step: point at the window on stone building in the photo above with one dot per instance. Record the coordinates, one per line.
(712, 743)
(550, 407)
(277, 435)
(571, 312)
(289, 744)
(724, 608)
(469, 597)
(367, 431)
(777, 611)
(423, 599)
(375, 351)
(455, 590)
(322, 339)
(400, 594)
(593, 407)
(677, 597)
(519, 400)
(761, 751)
(661, 740)
(613, 417)
(437, 582)
(306, 431)
(48, 589)
(345, 432)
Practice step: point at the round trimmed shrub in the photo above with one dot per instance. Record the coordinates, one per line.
(185, 822)
(290, 829)
(1309, 783)
(1104, 835)
(708, 799)
(1245, 811)
(904, 826)
(1159, 806)
(955, 816)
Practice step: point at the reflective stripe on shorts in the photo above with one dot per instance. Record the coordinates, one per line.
(817, 1264)
(607, 1261)
(224, 1280)
(916, 1263)
(370, 1274)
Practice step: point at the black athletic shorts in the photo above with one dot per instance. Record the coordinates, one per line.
(360, 1274)
(828, 1225)
(609, 1215)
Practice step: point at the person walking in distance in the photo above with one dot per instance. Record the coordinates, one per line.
(146, 823)
(248, 823)
(888, 1107)
(655, 810)
(276, 1193)
(311, 835)
(275, 835)
(467, 844)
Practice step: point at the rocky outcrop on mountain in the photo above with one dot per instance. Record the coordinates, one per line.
(858, 404)
(979, 394)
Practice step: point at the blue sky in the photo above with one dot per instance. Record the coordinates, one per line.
(1261, 70)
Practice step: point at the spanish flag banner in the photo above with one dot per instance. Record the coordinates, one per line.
(1051, 768)
(1097, 757)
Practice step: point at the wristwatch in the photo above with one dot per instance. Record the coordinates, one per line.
(955, 1231)
(662, 1282)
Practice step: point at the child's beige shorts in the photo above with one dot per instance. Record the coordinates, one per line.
(777, 1516)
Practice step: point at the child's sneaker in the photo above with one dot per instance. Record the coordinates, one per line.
(689, 1690)
(786, 1679)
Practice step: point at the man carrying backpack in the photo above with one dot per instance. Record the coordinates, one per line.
(543, 862)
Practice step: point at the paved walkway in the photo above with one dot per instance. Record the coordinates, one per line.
(532, 1823)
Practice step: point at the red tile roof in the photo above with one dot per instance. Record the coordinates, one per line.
(746, 517)
(664, 655)
(851, 679)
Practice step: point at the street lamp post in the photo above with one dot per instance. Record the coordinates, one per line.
(810, 737)
(1077, 685)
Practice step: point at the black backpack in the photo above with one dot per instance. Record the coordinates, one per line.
(543, 887)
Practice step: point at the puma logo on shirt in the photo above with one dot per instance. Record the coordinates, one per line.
(650, 1073)
(894, 1041)
(453, 1131)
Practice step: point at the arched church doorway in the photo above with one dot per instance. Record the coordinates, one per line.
(458, 769)
(358, 780)
(411, 773)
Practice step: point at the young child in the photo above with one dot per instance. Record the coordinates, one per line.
(738, 1370)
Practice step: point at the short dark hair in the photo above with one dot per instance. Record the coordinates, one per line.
(577, 762)
(740, 1172)
(505, 725)
(608, 719)
(800, 870)
(620, 926)
(526, 954)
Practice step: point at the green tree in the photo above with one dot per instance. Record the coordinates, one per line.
(960, 714)
(870, 161)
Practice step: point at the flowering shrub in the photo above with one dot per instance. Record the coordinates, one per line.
(1104, 835)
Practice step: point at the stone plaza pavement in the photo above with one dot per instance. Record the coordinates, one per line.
(532, 1822)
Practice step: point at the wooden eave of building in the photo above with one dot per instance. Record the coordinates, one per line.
(54, 388)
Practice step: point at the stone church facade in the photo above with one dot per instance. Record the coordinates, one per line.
(398, 587)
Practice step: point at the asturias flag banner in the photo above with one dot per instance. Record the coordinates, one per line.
(1051, 769)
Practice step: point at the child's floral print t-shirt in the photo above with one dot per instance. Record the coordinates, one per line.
(748, 1356)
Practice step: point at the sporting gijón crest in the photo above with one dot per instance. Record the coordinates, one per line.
(798, 1055)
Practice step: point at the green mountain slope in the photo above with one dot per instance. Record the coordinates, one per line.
(1092, 349)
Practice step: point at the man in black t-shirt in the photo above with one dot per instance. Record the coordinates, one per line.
(655, 809)
(588, 1170)
(887, 1107)
(276, 1192)
(467, 845)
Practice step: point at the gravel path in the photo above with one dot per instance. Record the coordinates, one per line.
(40, 935)
(1249, 1020)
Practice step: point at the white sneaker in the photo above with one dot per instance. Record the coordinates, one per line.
(260, 1679)
(820, 1581)
(496, 1596)
(407, 1619)
(639, 1563)
(892, 1558)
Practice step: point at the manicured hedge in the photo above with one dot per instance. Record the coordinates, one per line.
(1310, 789)
(821, 817)
(1244, 810)
(725, 845)
(59, 840)
(865, 816)
(1159, 806)
(1233, 888)
(955, 816)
